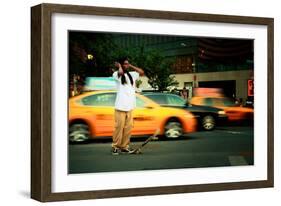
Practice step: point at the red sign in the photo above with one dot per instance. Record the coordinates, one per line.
(250, 87)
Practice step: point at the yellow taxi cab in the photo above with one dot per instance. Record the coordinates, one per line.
(232, 110)
(91, 115)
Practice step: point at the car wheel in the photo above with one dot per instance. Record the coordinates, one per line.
(79, 132)
(173, 129)
(208, 122)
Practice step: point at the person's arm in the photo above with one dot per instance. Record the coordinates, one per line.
(137, 69)
(120, 70)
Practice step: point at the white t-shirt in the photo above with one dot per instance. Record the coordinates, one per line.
(126, 93)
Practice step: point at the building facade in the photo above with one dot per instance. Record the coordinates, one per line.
(201, 62)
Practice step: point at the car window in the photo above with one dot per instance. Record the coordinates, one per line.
(219, 102)
(175, 100)
(160, 99)
(140, 102)
(106, 99)
(228, 102)
(208, 102)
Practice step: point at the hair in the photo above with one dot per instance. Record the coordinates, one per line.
(123, 78)
(122, 60)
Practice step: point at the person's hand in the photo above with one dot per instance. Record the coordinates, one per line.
(117, 64)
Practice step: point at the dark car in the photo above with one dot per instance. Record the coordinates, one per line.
(208, 117)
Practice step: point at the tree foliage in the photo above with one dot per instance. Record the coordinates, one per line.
(105, 52)
(101, 46)
(157, 67)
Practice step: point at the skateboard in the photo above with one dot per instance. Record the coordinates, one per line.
(152, 137)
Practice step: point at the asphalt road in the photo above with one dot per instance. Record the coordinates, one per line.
(225, 146)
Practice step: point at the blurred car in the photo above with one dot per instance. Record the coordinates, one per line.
(91, 115)
(232, 110)
(208, 117)
(249, 102)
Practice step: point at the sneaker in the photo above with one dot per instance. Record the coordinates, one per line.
(115, 151)
(127, 151)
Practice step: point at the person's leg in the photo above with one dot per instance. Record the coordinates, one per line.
(119, 123)
(127, 130)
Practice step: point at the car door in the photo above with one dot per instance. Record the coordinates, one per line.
(158, 98)
(232, 112)
(101, 105)
(144, 118)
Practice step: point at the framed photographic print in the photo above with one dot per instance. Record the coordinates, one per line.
(129, 102)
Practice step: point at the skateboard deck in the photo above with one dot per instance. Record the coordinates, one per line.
(138, 149)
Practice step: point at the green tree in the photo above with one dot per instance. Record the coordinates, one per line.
(157, 68)
(158, 71)
(101, 46)
(104, 52)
